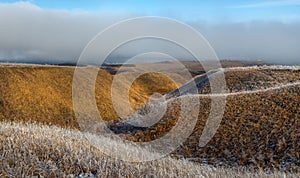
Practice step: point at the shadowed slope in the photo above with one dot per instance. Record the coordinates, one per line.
(240, 79)
(260, 126)
(257, 129)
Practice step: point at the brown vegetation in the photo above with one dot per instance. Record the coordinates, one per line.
(255, 79)
(260, 130)
(41, 151)
(44, 93)
(257, 129)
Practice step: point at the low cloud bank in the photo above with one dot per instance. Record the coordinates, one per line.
(31, 34)
(274, 42)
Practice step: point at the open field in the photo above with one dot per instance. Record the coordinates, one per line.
(259, 131)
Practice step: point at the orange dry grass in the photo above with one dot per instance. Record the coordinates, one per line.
(37, 94)
(149, 84)
(44, 94)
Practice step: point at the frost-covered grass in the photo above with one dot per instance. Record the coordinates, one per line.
(38, 150)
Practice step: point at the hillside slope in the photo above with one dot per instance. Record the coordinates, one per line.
(257, 129)
(44, 93)
(42, 151)
(260, 126)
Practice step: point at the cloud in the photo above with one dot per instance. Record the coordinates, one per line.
(29, 33)
(274, 42)
(269, 4)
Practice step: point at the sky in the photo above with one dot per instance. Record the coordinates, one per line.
(215, 11)
(57, 31)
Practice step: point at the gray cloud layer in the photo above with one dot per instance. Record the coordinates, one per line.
(270, 41)
(29, 33)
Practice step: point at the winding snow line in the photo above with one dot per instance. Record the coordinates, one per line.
(278, 87)
(235, 93)
(264, 67)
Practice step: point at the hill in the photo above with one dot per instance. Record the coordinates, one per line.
(48, 151)
(44, 93)
(260, 127)
(257, 129)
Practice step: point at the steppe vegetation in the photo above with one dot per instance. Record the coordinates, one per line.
(257, 129)
(259, 135)
(37, 150)
(44, 94)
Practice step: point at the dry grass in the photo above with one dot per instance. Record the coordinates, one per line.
(194, 67)
(252, 79)
(149, 84)
(258, 130)
(48, 151)
(44, 94)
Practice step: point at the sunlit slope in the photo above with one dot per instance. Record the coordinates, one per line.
(44, 93)
(40, 94)
(152, 83)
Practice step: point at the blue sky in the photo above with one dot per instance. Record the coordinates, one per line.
(212, 11)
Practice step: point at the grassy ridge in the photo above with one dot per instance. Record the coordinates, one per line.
(44, 94)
